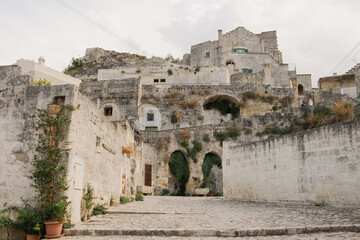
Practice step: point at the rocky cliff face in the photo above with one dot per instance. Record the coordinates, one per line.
(86, 67)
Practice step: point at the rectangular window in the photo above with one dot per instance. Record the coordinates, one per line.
(97, 141)
(162, 80)
(207, 54)
(108, 111)
(156, 80)
(151, 128)
(59, 100)
(240, 50)
(150, 117)
(246, 70)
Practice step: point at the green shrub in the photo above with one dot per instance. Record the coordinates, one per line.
(170, 72)
(42, 82)
(179, 167)
(206, 138)
(165, 192)
(75, 64)
(139, 197)
(197, 69)
(111, 201)
(184, 143)
(232, 132)
(174, 118)
(192, 152)
(209, 161)
(124, 200)
(99, 210)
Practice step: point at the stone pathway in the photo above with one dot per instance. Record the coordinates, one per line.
(205, 216)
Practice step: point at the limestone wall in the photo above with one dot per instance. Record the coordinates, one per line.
(203, 54)
(39, 70)
(123, 95)
(95, 150)
(317, 165)
(161, 76)
(93, 147)
(305, 81)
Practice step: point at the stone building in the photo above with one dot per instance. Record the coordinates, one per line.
(347, 83)
(227, 92)
(243, 53)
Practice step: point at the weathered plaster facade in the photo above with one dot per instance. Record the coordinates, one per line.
(94, 147)
(37, 70)
(317, 165)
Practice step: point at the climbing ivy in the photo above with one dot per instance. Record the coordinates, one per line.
(179, 167)
(49, 175)
(209, 161)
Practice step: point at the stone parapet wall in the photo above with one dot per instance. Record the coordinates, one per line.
(319, 165)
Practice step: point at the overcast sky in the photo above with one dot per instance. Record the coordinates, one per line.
(314, 35)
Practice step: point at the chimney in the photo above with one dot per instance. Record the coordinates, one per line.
(219, 34)
(41, 61)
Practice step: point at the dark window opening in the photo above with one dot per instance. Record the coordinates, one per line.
(97, 141)
(207, 54)
(108, 111)
(59, 100)
(156, 80)
(229, 62)
(240, 50)
(162, 80)
(300, 89)
(150, 117)
(246, 70)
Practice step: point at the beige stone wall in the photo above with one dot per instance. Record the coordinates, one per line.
(96, 156)
(39, 70)
(342, 84)
(316, 165)
(180, 75)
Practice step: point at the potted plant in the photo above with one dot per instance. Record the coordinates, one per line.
(49, 175)
(28, 219)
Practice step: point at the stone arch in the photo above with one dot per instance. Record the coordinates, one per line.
(219, 108)
(149, 116)
(300, 89)
(179, 172)
(212, 171)
(111, 111)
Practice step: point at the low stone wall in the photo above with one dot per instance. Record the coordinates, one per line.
(321, 164)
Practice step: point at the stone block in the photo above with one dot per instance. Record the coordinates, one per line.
(201, 191)
(146, 190)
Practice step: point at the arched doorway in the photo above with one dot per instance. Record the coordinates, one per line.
(300, 89)
(212, 170)
(221, 108)
(178, 173)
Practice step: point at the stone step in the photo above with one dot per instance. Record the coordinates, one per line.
(213, 233)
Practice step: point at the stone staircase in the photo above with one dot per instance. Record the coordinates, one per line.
(351, 71)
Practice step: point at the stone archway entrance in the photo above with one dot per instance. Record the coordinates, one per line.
(212, 170)
(178, 173)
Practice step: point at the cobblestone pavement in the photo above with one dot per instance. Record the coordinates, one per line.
(206, 213)
(314, 236)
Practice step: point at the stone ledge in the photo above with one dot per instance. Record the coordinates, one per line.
(214, 233)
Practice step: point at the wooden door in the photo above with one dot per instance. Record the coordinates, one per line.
(148, 175)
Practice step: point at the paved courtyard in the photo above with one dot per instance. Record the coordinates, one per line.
(205, 217)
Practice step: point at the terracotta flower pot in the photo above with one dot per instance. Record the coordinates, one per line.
(53, 229)
(33, 236)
